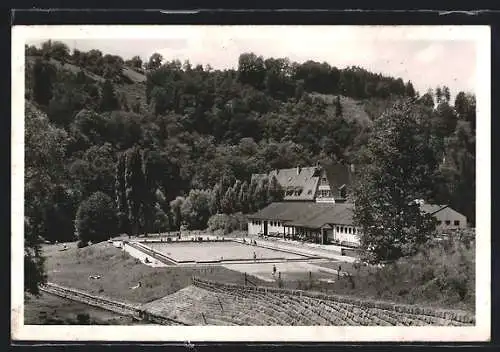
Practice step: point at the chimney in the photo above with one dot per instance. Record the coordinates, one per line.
(298, 169)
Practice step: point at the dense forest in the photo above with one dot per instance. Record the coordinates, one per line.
(161, 143)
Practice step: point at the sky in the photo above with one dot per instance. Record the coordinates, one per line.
(428, 58)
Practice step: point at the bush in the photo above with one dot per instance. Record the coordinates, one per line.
(228, 223)
(83, 319)
(81, 244)
(96, 219)
(442, 273)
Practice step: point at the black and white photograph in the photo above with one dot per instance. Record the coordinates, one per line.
(251, 183)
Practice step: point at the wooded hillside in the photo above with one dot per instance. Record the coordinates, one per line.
(188, 127)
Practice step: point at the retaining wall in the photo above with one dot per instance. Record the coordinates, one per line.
(458, 316)
(122, 308)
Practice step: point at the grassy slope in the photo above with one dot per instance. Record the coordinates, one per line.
(133, 92)
(49, 310)
(119, 272)
(352, 110)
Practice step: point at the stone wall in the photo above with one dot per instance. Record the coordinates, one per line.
(458, 316)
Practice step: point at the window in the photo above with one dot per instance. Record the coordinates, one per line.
(447, 222)
(349, 230)
(342, 229)
(338, 229)
(456, 222)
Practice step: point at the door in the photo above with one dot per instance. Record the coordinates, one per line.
(265, 228)
(324, 239)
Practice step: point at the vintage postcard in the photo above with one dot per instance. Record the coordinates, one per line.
(251, 183)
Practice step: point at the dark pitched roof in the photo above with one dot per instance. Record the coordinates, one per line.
(339, 175)
(310, 215)
(432, 208)
(300, 182)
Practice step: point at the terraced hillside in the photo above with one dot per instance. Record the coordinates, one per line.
(211, 303)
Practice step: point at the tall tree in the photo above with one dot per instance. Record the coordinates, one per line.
(216, 198)
(251, 196)
(236, 193)
(243, 198)
(274, 191)
(120, 194)
(251, 70)
(261, 194)
(465, 106)
(150, 186)
(45, 147)
(427, 99)
(439, 94)
(399, 167)
(409, 90)
(96, 219)
(134, 183)
(109, 101)
(175, 208)
(135, 62)
(446, 94)
(43, 76)
(338, 107)
(459, 168)
(195, 210)
(154, 62)
(228, 201)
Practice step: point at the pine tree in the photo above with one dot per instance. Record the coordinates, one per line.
(409, 90)
(446, 94)
(439, 94)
